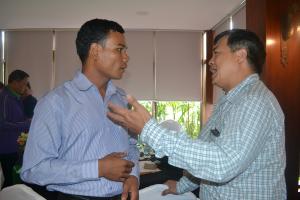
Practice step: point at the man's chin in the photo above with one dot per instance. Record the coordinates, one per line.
(118, 77)
(213, 81)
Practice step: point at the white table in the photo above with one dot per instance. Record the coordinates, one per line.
(154, 192)
(19, 192)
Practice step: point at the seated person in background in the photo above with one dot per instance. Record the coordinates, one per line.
(12, 121)
(29, 101)
(72, 147)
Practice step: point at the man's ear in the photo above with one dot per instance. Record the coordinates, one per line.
(95, 50)
(241, 55)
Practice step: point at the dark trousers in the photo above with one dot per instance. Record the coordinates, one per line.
(63, 196)
(7, 163)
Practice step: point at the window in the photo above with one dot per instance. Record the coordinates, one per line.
(169, 88)
(186, 113)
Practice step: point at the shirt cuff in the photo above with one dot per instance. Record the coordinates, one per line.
(185, 185)
(136, 171)
(90, 169)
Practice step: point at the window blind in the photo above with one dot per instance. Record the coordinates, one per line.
(66, 61)
(31, 51)
(178, 64)
(138, 79)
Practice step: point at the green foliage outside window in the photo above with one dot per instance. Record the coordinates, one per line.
(187, 113)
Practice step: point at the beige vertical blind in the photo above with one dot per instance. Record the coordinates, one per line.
(239, 18)
(222, 27)
(1, 44)
(163, 65)
(66, 59)
(1, 59)
(138, 79)
(31, 51)
(178, 64)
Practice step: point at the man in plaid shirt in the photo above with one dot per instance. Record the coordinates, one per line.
(240, 153)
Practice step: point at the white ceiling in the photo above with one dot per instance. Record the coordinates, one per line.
(131, 14)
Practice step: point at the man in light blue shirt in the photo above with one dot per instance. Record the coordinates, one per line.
(240, 153)
(73, 148)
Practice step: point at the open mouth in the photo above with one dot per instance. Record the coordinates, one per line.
(123, 67)
(213, 71)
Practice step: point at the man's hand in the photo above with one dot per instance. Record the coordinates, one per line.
(114, 167)
(134, 119)
(131, 186)
(171, 187)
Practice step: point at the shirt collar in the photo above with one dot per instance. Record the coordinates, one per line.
(111, 89)
(83, 83)
(232, 94)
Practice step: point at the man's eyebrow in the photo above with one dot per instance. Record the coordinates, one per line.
(122, 45)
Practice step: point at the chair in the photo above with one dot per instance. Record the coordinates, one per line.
(154, 192)
(171, 124)
(19, 192)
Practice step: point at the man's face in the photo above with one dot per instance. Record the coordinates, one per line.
(20, 86)
(223, 65)
(111, 61)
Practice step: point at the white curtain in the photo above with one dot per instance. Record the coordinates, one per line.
(239, 18)
(178, 65)
(1, 59)
(66, 61)
(31, 51)
(163, 65)
(138, 79)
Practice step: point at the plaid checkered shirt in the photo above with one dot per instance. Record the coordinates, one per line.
(240, 153)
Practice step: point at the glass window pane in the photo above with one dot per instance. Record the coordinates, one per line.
(187, 113)
(147, 105)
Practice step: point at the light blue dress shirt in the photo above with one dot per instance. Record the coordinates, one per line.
(69, 133)
(240, 153)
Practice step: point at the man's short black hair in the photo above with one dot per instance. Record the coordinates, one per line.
(17, 75)
(241, 38)
(94, 31)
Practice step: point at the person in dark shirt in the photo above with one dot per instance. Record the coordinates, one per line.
(29, 101)
(13, 121)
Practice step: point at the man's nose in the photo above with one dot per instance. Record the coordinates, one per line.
(125, 58)
(211, 62)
